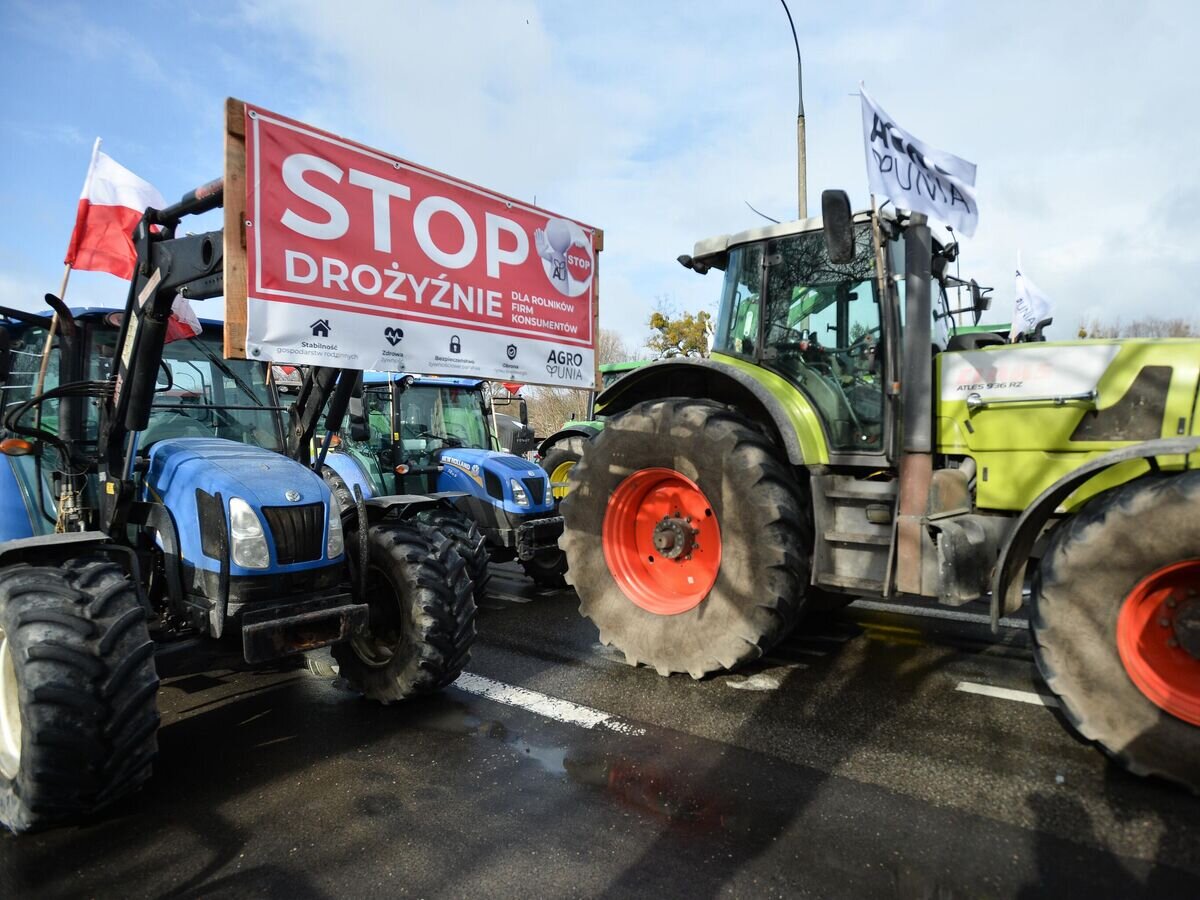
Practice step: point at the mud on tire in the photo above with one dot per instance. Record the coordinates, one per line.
(422, 616)
(765, 523)
(78, 672)
(1093, 561)
(468, 542)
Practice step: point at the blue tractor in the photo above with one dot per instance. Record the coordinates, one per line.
(146, 501)
(425, 435)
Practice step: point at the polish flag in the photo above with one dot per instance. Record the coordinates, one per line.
(111, 204)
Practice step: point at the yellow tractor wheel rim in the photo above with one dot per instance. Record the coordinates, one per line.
(560, 474)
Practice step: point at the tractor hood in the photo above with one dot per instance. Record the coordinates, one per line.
(260, 477)
(183, 470)
(491, 473)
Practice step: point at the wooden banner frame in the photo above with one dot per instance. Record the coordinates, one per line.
(236, 272)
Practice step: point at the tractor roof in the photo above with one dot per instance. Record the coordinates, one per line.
(626, 366)
(712, 250)
(425, 380)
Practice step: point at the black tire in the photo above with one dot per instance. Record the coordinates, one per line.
(567, 451)
(468, 542)
(422, 616)
(1092, 562)
(763, 515)
(81, 662)
(343, 496)
(548, 569)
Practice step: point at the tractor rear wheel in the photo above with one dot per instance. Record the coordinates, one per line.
(468, 541)
(1116, 624)
(558, 462)
(422, 615)
(78, 692)
(688, 539)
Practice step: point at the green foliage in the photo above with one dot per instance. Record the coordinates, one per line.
(685, 334)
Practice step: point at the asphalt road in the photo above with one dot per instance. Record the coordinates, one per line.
(876, 753)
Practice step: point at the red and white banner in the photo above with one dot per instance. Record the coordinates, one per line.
(364, 260)
(112, 202)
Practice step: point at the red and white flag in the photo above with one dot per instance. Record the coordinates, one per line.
(111, 204)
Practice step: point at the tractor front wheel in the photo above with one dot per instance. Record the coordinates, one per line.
(1116, 624)
(558, 462)
(688, 539)
(78, 691)
(422, 615)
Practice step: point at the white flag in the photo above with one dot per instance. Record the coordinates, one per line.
(1030, 307)
(914, 175)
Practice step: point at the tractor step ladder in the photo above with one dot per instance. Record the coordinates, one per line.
(855, 520)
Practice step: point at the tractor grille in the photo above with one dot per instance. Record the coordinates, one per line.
(536, 488)
(298, 531)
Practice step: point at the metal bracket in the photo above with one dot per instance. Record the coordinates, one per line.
(976, 401)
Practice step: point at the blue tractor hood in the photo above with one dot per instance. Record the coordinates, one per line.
(490, 473)
(180, 467)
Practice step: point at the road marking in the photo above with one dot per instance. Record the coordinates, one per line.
(543, 704)
(988, 690)
(931, 613)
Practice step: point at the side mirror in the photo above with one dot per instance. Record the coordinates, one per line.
(355, 410)
(359, 431)
(524, 411)
(838, 226)
(980, 301)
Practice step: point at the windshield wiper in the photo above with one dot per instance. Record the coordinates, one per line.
(220, 364)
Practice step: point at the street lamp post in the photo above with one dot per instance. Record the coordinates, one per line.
(801, 162)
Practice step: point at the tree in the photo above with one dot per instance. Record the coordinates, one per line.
(550, 407)
(686, 334)
(1148, 327)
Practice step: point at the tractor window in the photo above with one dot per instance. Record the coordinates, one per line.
(436, 418)
(25, 361)
(822, 333)
(738, 320)
(207, 396)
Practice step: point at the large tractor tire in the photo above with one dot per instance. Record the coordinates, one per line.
(548, 569)
(560, 460)
(468, 542)
(78, 692)
(422, 616)
(1116, 624)
(688, 539)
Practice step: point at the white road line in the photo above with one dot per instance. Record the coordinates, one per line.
(932, 613)
(988, 690)
(543, 704)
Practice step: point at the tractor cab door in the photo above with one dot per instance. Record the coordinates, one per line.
(823, 327)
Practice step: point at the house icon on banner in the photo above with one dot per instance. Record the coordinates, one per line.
(320, 328)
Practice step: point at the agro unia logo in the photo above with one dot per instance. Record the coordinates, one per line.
(566, 253)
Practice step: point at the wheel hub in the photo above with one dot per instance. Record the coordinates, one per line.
(1187, 624)
(674, 537)
(662, 541)
(1158, 638)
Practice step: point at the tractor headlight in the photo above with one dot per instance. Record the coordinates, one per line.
(334, 545)
(247, 541)
(519, 494)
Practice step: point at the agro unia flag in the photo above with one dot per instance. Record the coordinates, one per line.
(914, 175)
(1030, 307)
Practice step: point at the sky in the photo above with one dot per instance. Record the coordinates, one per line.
(657, 122)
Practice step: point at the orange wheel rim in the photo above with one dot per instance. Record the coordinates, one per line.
(662, 541)
(1158, 638)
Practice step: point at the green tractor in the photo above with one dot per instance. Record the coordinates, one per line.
(830, 449)
(559, 452)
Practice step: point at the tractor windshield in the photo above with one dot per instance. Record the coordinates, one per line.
(437, 417)
(206, 395)
(820, 328)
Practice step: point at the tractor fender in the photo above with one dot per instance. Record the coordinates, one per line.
(347, 467)
(406, 505)
(583, 430)
(707, 379)
(1009, 578)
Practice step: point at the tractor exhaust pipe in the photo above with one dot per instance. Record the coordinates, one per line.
(916, 459)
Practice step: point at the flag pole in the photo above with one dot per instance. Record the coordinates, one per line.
(62, 288)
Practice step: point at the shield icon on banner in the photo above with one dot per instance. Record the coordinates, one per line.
(512, 351)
